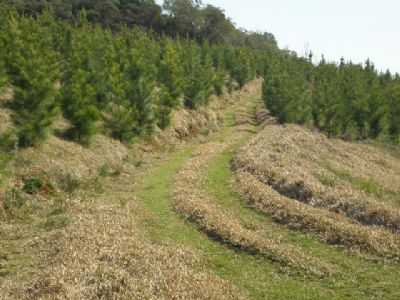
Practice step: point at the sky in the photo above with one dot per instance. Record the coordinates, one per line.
(354, 29)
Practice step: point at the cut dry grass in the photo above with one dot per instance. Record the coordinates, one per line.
(331, 227)
(219, 224)
(356, 180)
(281, 171)
(103, 256)
(89, 245)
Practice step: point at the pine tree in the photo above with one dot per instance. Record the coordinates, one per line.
(3, 77)
(32, 67)
(199, 75)
(220, 72)
(393, 100)
(164, 103)
(120, 116)
(242, 70)
(229, 64)
(170, 72)
(79, 96)
(171, 81)
(141, 75)
(326, 98)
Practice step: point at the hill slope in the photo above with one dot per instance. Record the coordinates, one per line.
(300, 221)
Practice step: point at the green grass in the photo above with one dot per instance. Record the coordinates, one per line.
(359, 278)
(254, 275)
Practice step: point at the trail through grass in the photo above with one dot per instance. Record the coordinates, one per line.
(260, 279)
(358, 279)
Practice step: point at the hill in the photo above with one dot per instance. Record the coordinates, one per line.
(152, 152)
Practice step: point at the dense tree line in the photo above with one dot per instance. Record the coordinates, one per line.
(183, 18)
(124, 83)
(345, 100)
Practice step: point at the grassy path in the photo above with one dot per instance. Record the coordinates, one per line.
(259, 278)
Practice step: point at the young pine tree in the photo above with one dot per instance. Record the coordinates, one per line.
(393, 100)
(120, 117)
(199, 74)
(170, 77)
(32, 67)
(170, 71)
(217, 55)
(241, 70)
(3, 77)
(79, 95)
(141, 74)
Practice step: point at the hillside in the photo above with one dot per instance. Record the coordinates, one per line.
(75, 221)
(160, 152)
(169, 222)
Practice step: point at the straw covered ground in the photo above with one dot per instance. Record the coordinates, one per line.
(70, 225)
(201, 209)
(347, 193)
(225, 204)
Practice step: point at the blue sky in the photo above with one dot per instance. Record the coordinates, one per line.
(354, 29)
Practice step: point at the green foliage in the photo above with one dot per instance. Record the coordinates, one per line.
(35, 184)
(393, 110)
(79, 95)
(32, 185)
(346, 100)
(170, 71)
(199, 75)
(141, 74)
(32, 68)
(119, 115)
(3, 77)
(126, 81)
(164, 106)
(183, 18)
(241, 68)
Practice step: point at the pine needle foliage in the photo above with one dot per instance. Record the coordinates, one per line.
(32, 67)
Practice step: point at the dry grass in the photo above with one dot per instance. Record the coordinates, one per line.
(356, 180)
(103, 256)
(92, 247)
(201, 209)
(283, 172)
(331, 227)
(5, 114)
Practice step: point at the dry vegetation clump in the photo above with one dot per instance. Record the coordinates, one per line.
(103, 256)
(331, 227)
(65, 157)
(277, 170)
(219, 224)
(5, 113)
(356, 180)
(5, 120)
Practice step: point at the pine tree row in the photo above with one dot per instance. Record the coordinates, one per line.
(122, 83)
(344, 100)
